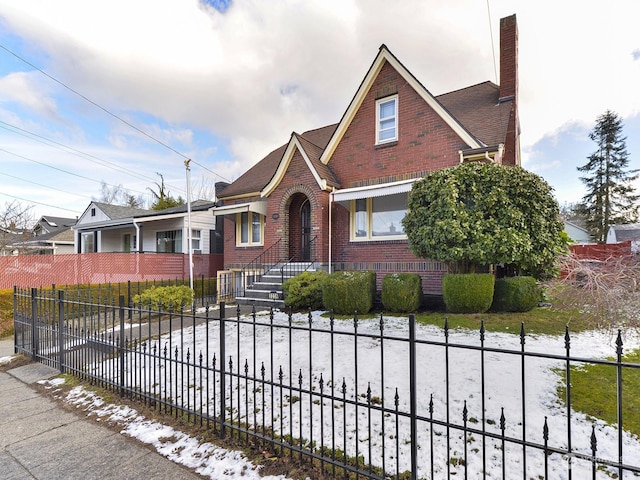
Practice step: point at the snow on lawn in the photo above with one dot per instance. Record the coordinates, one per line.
(314, 404)
(205, 458)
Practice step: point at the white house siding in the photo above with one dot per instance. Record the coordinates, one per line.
(203, 221)
(88, 219)
(112, 240)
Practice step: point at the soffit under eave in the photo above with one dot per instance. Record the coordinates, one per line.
(283, 166)
(384, 55)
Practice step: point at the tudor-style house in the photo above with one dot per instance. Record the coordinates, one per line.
(335, 196)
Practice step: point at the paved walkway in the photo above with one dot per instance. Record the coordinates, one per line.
(42, 440)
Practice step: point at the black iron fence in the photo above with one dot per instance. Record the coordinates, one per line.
(363, 398)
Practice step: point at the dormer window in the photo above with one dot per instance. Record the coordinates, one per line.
(387, 120)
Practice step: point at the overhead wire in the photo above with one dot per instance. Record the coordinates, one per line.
(107, 111)
(493, 48)
(39, 203)
(62, 146)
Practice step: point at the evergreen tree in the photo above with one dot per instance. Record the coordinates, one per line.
(610, 197)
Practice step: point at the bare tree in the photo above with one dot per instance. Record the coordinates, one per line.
(16, 222)
(605, 292)
(118, 195)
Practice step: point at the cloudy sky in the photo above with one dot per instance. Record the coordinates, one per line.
(120, 91)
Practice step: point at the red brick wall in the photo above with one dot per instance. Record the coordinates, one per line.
(297, 184)
(383, 257)
(425, 141)
(71, 269)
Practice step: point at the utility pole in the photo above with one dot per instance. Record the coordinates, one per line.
(189, 234)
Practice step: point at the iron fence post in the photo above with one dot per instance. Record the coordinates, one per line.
(60, 333)
(34, 328)
(223, 382)
(413, 399)
(15, 316)
(122, 352)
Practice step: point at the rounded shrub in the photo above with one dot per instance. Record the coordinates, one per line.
(468, 292)
(165, 298)
(348, 292)
(515, 294)
(304, 290)
(401, 292)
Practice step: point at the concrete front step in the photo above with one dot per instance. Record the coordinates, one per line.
(261, 302)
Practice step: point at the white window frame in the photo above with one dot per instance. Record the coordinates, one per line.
(368, 227)
(251, 217)
(379, 119)
(196, 236)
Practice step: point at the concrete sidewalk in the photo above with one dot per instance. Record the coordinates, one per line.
(40, 439)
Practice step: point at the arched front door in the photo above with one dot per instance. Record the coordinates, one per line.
(305, 228)
(300, 229)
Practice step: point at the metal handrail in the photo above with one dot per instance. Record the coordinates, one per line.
(288, 267)
(262, 264)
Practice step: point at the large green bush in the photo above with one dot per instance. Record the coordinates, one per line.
(401, 292)
(304, 291)
(515, 294)
(348, 292)
(165, 298)
(468, 292)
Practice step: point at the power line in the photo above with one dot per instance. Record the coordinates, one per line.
(493, 48)
(105, 110)
(39, 203)
(44, 186)
(61, 146)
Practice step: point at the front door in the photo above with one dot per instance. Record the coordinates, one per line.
(305, 228)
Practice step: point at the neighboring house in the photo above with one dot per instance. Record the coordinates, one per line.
(336, 195)
(50, 235)
(625, 233)
(112, 228)
(577, 234)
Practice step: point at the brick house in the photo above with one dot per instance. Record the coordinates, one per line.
(335, 195)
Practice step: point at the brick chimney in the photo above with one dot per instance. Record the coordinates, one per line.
(508, 57)
(509, 86)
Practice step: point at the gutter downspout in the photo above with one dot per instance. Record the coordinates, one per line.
(137, 236)
(330, 227)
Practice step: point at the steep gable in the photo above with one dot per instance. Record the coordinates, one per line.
(385, 57)
(261, 175)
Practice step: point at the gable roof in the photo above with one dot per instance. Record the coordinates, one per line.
(481, 111)
(624, 232)
(385, 56)
(476, 113)
(115, 212)
(254, 180)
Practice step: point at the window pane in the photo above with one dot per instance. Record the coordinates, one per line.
(387, 214)
(388, 109)
(388, 133)
(169, 242)
(244, 227)
(255, 228)
(387, 120)
(360, 220)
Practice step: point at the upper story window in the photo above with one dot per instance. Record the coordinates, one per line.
(387, 120)
(378, 218)
(249, 229)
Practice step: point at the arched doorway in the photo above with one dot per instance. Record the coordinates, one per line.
(300, 228)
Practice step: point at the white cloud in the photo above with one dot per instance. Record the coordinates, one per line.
(252, 75)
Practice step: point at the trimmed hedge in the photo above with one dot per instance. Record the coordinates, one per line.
(468, 292)
(305, 290)
(165, 298)
(515, 294)
(349, 292)
(401, 292)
